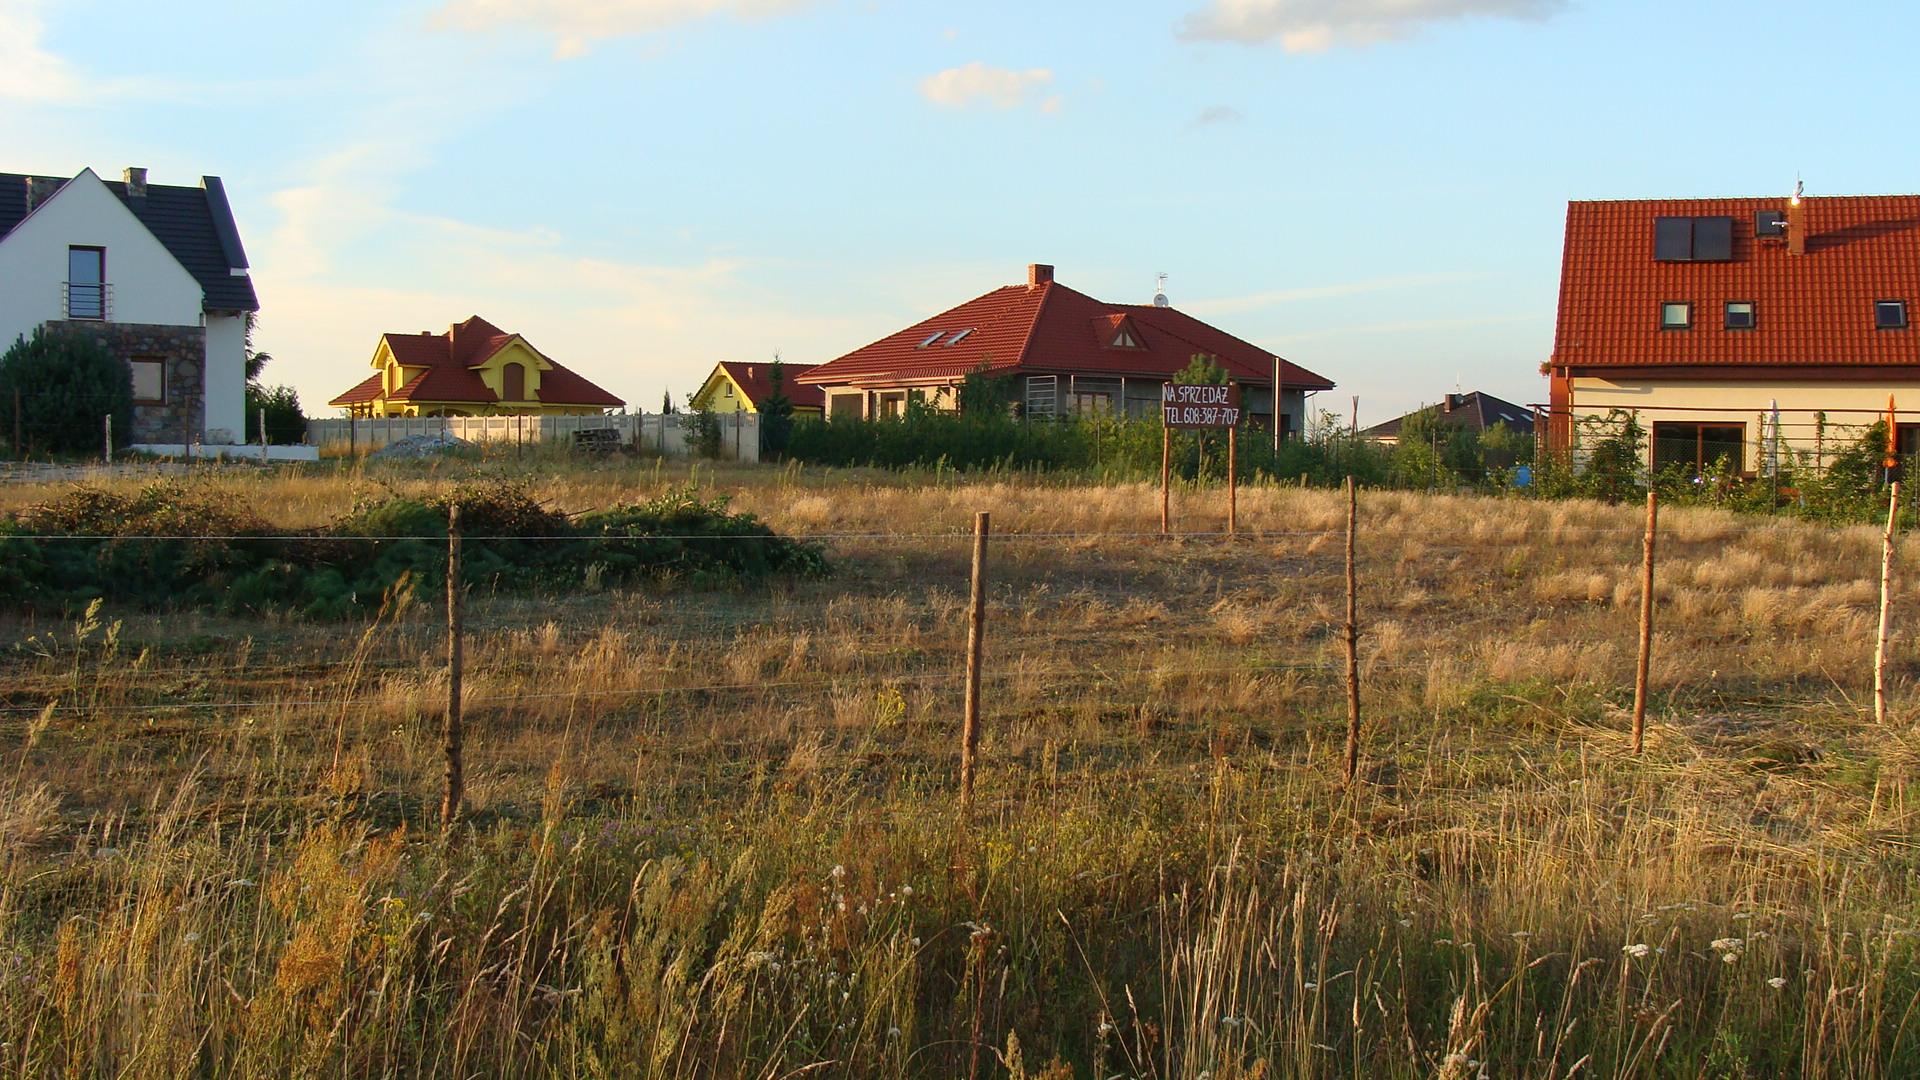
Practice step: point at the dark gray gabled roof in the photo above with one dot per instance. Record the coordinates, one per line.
(1475, 411)
(194, 223)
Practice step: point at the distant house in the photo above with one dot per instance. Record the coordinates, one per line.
(1065, 352)
(1737, 328)
(474, 369)
(153, 272)
(737, 387)
(1476, 412)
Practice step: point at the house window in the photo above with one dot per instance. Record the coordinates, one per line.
(86, 283)
(1125, 340)
(1089, 403)
(728, 387)
(893, 404)
(960, 336)
(1697, 448)
(931, 338)
(149, 380)
(1676, 315)
(1890, 314)
(513, 382)
(1740, 315)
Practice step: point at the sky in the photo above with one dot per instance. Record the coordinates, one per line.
(1375, 189)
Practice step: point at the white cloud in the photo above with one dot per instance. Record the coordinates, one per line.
(1003, 88)
(28, 71)
(1317, 25)
(575, 24)
(1218, 114)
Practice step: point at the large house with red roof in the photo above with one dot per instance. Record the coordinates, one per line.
(1067, 354)
(1754, 330)
(474, 369)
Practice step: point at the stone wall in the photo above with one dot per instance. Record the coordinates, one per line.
(184, 348)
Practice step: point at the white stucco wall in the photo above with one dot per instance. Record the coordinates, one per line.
(226, 379)
(1849, 407)
(146, 283)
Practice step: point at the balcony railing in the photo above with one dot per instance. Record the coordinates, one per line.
(87, 300)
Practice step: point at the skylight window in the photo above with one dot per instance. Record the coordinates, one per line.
(1740, 315)
(933, 337)
(958, 337)
(1676, 315)
(1890, 314)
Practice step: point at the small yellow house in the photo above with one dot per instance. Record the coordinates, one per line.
(474, 369)
(736, 387)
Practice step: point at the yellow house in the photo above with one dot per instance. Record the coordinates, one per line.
(474, 369)
(736, 387)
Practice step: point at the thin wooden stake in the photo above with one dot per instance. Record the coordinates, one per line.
(976, 640)
(1166, 467)
(106, 428)
(1353, 638)
(456, 767)
(1646, 628)
(1886, 603)
(1233, 480)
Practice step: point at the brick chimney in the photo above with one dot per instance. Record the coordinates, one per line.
(39, 189)
(1796, 224)
(136, 179)
(1039, 274)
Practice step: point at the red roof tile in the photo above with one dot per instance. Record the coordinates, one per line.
(1048, 327)
(449, 360)
(368, 389)
(753, 382)
(1816, 308)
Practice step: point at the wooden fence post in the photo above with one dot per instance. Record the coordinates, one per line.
(106, 427)
(1645, 661)
(1166, 464)
(1353, 637)
(976, 640)
(1233, 480)
(1886, 603)
(456, 765)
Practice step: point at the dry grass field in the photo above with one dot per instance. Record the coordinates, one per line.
(713, 833)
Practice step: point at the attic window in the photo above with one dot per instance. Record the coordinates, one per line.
(1890, 315)
(1676, 315)
(1740, 315)
(959, 336)
(1125, 340)
(933, 337)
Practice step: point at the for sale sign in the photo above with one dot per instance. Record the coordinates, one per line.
(1200, 406)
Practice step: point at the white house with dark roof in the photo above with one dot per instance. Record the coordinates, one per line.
(155, 273)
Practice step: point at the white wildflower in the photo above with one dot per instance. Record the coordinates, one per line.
(1637, 951)
(1776, 982)
(838, 872)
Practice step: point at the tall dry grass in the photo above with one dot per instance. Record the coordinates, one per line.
(710, 834)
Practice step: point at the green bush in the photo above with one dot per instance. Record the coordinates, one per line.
(174, 545)
(65, 385)
(286, 422)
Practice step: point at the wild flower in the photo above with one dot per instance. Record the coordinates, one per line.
(1730, 949)
(1777, 982)
(838, 872)
(1637, 950)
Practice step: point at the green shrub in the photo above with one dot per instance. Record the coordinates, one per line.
(65, 385)
(173, 545)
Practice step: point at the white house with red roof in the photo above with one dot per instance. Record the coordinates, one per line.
(1749, 329)
(1067, 353)
(474, 369)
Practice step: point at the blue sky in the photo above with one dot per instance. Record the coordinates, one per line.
(1374, 188)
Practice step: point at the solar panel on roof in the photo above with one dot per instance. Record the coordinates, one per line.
(931, 338)
(1713, 239)
(1673, 239)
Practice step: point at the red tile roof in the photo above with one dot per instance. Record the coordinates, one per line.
(368, 389)
(1049, 328)
(1816, 308)
(450, 360)
(753, 382)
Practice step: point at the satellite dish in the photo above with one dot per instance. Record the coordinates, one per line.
(1160, 291)
(1160, 300)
